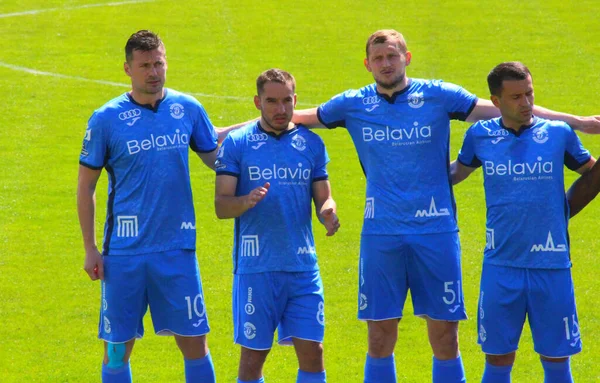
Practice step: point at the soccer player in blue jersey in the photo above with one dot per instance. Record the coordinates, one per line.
(526, 266)
(268, 174)
(142, 139)
(401, 128)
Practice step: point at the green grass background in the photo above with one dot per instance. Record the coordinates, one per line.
(48, 306)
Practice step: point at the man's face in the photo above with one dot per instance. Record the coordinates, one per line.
(276, 104)
(148, 71)
(516, 101)
(388, 64)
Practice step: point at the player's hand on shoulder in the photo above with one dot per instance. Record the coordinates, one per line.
(256, 195)
(330, 220)
(93, 264)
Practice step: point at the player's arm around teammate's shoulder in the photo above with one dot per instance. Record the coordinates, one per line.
(325, 206)
(308, 118)
(86, 209)
(485, 109)
(223, 132)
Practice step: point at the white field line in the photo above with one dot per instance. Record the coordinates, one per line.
(122, 85)
(37, 11)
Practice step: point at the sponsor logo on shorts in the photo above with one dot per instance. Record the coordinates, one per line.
(453, 309)
(249, 307)
(107, 328)
(197, 324)
(127, 226)
(481, 312)
(362, 303)
(432, 212)
(482, 334)
(249, 330)
(549, 246)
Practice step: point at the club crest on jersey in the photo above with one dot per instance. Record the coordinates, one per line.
(416, 100)
(177, 111)
(299, 142)
(540, 135)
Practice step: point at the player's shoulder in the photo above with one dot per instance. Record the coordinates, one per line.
(113, 109)
(247, 132)
(308, 134)
(432, 85)
(357, 94)
(486, 127)
(543, 123)
(176, 97)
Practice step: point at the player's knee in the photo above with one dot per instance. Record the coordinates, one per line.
(116, 355)
(382, 337)
(554, 360)
(501, 360)
(312, 354)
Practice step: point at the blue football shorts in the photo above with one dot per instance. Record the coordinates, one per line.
(427, 264)
(168, 282)
(289, 302)
(545, 296)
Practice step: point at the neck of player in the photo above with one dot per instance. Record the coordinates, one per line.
(515, 125)
(277, 130)
(391, 91)
(147, 98)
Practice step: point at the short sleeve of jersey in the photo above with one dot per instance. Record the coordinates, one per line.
(575, 154)
(228, 158)
(467, 155)
(321, 164)
(94, 149)
(204, 137)
(459, 102)
(333, 112)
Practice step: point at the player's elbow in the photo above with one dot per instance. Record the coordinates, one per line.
(221, 209)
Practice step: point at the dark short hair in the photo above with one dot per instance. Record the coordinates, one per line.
(383, 36)
(511, 71)
(274, 75)
(144, 41)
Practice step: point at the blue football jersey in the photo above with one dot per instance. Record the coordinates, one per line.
(403, 146)
(145, 152)
(276, 234)
(527, 210)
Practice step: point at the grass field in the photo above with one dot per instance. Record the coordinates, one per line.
(60, 60)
